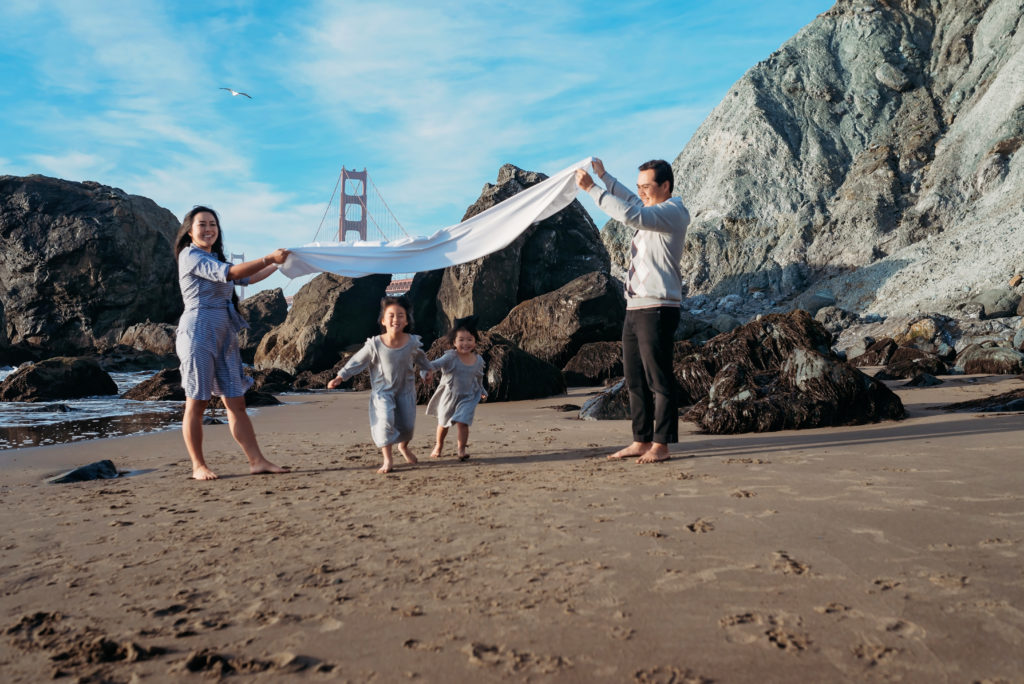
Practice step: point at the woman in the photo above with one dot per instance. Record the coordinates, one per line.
(207, 342)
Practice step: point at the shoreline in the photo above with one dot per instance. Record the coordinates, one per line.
(883, 551)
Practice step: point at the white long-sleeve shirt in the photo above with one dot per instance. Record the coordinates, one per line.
(655, 278)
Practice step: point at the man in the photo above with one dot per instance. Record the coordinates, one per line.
(654, 291)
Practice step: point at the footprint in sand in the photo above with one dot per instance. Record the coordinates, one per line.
(874, 654)
(701, 526)
(771, 630)
(657, 675)
(783, 562)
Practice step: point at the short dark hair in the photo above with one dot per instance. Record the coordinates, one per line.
(468, 324)
(401, 301)
(662, 172)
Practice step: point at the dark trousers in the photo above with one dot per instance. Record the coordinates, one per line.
(647, 344)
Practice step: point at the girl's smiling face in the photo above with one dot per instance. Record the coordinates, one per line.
(464, 342)
(394, 319)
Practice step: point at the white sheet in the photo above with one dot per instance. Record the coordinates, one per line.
(483, 234)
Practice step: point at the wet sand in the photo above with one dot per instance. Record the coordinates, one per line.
(881, 552)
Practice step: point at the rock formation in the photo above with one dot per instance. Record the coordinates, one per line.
(545, 257)
(79, 264)
(57, 378)
(555, 325)
(874, 155)
(328, 314)
(262, 311)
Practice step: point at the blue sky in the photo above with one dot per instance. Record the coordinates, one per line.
(432, 98)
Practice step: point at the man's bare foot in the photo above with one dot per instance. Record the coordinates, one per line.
(436, 453)
(203, 473)
(634, 449)
(407, 453)
(463, 456)
(656, 454)
(265, 467)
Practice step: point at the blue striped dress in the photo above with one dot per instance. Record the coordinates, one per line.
(207, 340)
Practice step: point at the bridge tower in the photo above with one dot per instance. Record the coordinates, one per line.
(353, 203)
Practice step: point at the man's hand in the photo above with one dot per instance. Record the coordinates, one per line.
(598, 166)
(583, 180)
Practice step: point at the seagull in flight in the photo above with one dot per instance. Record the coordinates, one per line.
(235, 92)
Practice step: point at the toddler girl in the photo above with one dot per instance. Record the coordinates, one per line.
(461, 387)
(392, 358)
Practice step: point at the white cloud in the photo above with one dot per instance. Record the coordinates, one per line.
(73, 166)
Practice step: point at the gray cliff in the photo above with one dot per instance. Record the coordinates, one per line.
(875, 155)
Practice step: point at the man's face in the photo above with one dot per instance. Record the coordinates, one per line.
(649, 192)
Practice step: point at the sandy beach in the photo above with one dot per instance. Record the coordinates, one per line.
(883, 552)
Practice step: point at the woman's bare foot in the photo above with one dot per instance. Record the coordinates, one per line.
(656, 454)
(634, 449)
(265, 467)
(436, 453)
(407, 453)
(203, 473)
(388, 465)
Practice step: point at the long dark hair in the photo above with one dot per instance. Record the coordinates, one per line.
(184, 238)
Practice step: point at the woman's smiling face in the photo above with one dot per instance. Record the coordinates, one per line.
(205, 231)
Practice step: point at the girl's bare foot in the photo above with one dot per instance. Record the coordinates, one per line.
(634, 449)
(436, 453)
(407, 453)
(266, 467)
(387, 467)
(203, 473)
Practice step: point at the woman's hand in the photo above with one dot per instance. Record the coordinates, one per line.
(598, 166)
(278, 256)
(583, 180)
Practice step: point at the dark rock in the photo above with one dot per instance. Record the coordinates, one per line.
(812, 302)
(164, 386)
(878, 354)
(564, 408)
(923, 380)
(835, 319)
(510, 374)
(694, 329)
(263, 312)
(423, 296)
(100, 470)
(328, 314)
(273, 381)
(555, 325)
(759, 345)
(80, 263)
(548, 255)
(593, 364)
(933, 333)
(57, 378)
(611, 403)
(992, 361)
(308, 380)
(809, 390)
(1007, 401)
(909, 363)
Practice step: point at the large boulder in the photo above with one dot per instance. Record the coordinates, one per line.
(328, 314)
(809, 390)
(998, 302)
(875, 154)
(510, 374)
(80, 263)
(423, 297)
(545, 257)
(555, 325)
(878, 353)
(263, 312)
(991, 361)
(611, 403)
(57, 378)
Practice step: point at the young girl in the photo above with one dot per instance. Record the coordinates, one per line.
(461, 387)
(392, 358)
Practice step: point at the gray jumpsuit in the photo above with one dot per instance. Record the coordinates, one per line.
(392, 386)
(207, 337)
(459, 391)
